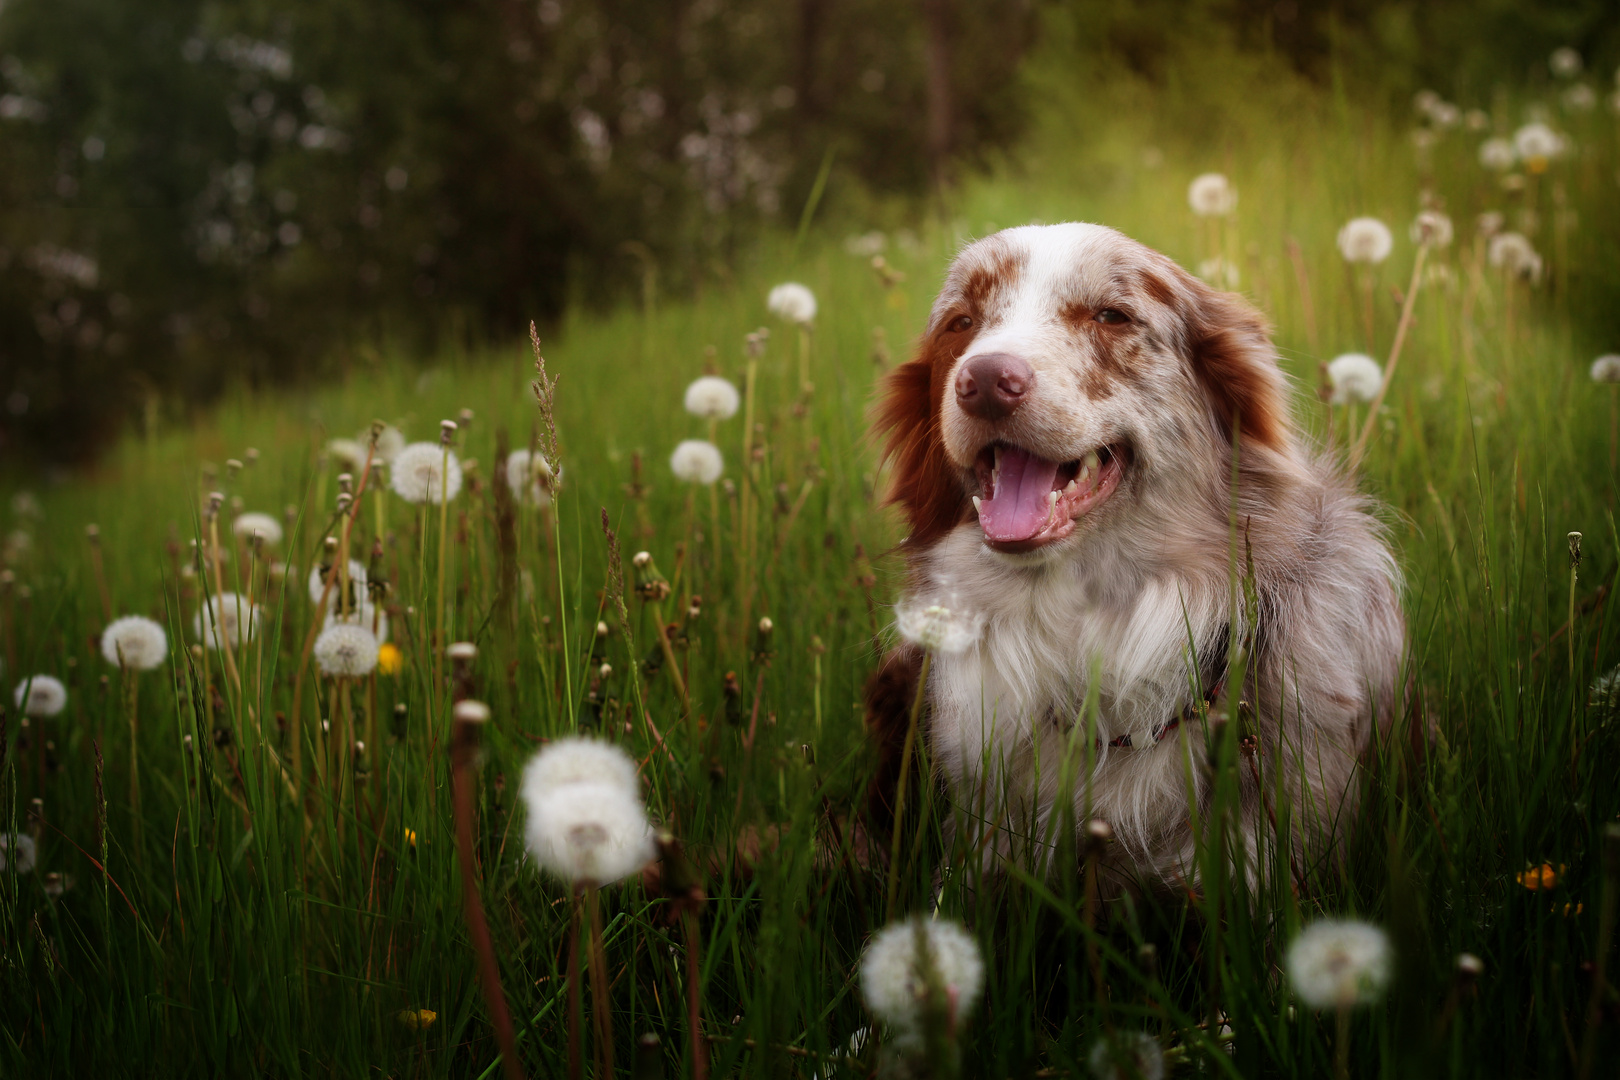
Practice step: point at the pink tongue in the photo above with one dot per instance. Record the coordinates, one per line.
(1020, 508)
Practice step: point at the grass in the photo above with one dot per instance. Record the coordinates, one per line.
(240, 930)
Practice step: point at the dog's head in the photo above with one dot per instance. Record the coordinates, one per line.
(1066, 371)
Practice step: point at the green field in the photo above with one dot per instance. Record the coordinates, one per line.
(252, 921)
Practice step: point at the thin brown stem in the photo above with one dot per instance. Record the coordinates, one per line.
(1394, 357)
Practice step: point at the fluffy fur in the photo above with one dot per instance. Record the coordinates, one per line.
(1135, 602)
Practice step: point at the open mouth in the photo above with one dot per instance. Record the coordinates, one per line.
(1027, 502)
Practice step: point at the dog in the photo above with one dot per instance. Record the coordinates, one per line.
(1109, 505)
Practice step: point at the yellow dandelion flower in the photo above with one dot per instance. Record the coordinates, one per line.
(417, 1019)
(1541, 877)
(390, 659)
(410, 837)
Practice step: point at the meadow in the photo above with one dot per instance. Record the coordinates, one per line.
(241, 865)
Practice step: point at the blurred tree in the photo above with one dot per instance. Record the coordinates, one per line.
(196, 191)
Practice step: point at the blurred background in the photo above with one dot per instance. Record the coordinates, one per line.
(196, 194)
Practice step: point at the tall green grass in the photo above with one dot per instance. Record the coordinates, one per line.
(237, 932)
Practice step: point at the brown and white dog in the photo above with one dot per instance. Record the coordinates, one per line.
(1062, 446)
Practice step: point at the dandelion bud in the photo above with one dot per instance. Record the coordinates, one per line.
(216, 499)
(466, 418)
(237, 504)
(640, 559)
(345, 482)
(1574, 550)
(601, 629)
(359, 747)
(471, 712)
(1469, 967)
(766, 626)
(344, 500)
(1099, 830)
(252, 456)
(463, 652)
(92, 533)
(232, 467)
(605, 671)
(447, 432)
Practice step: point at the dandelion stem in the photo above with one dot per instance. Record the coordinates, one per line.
(694, 1014)
(601, 1009)
(1394, 356)
(900, 788)
(439, 640)
(574, 1068)
(463, 746)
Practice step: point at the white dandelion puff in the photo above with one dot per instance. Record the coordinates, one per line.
(1365, 240)
(1220, 271)
(418, 474)
(588, 834)
(712, 398)
(346, 453)
(1425, 100)
(1580, 98)
(892, 979)
(390, 442)
(134, 642)
(346, 650)
(1513, 252)
(265, 527)
(365, 615)
(1211, 195)
(1444, 115)
(1489, 223)
(1127, 1055)
(1565, 62)
(530, 477)
(1354, 377)
(1536, 142)
(936, 627)
(1337, 963)
(17, 852)
(317, 583)
(226, 620)
(41, 696)
(697, 461)
(1497, 154)
(792, 303)
(1606, 368)
(579, 761)
(1434, 227)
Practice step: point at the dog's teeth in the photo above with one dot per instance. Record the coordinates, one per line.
(1071, 487)
(997, 466)
(975, 504)
(1051, 509)
(1052, 497)
(1091, 462)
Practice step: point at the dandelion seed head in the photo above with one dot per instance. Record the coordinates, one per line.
(41, 696)
(1536, 142)
(1489, 223)
(935, 626)
(1497, 154)
(1513, 252)
(792, 302)
(390, 442)
(530, 477)
(1211, 195)
(346, 650)
(264, 526)
(1444, 115)
(419, 475)
(226, 620)
(1354, 377)
(697, 461)
(1580, 98)
(1434, 227)
(892, 979)
(347, 453)
(317, 585)
(1126, 1055)
(1606, 368)
(712, 398)
(1365, 240)
(470, 712)
(1220, 271)
(1565, 62)
(577, 760)
(17, 852)
(588, 833)
(1336, 963)
(134, 642)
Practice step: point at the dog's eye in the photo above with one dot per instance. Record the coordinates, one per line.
(960, 323)
(1111, 316)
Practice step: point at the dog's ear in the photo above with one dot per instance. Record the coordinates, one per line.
(1236, 364)
(924, 482)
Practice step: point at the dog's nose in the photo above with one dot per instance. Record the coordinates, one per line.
(993, 385)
